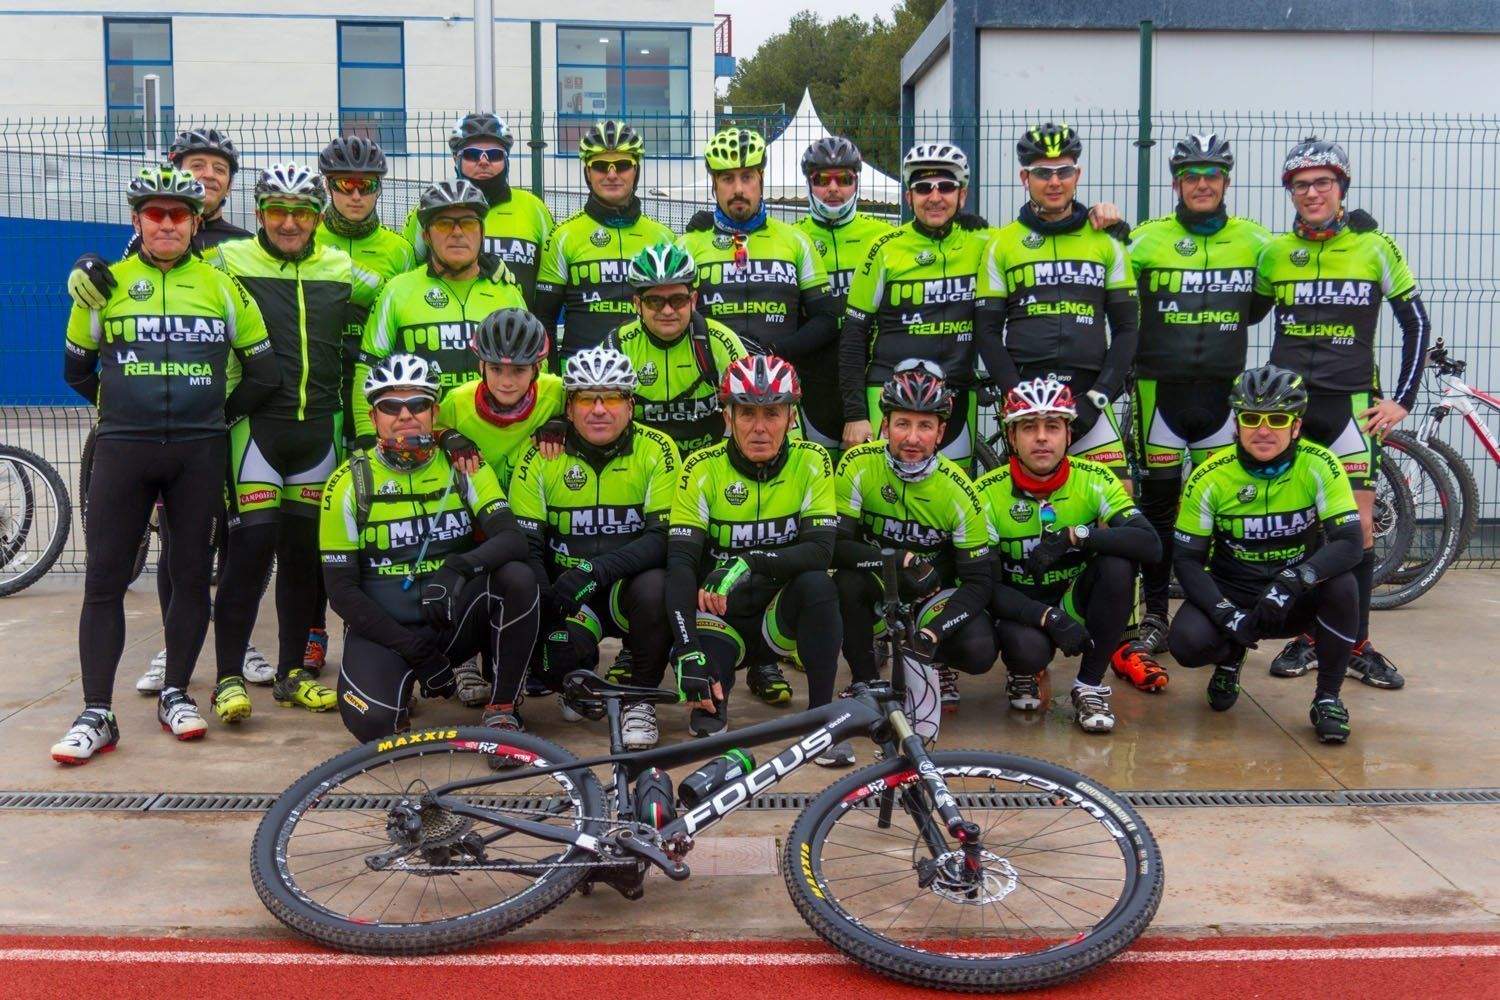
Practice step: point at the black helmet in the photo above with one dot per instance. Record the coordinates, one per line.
(480, 125)
(510, 336)
(1048, 142)
(353, 154)
(1268, 389)
(1209, 150)
(917, 386)
(832, 153)
(457, 193)
(204, 140)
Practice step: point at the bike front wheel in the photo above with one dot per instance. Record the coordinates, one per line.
(1070, 874)
(35, 517)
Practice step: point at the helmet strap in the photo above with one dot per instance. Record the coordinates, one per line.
(341, 225)
(832, 216)
(1076, 217)
(1202, 223)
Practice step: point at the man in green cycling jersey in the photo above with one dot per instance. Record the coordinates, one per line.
(913, 297)
(596, 520)
(280, 457)
(1195, 275)
(517, 222)
(678, 354)
(432, 312)
(1327, 278)
(406, 569)
(758, 275)
(587, 258)
(1070, 540)
(1267, 541)
(155, 358)
(842, 235)
(751, 540)
(900, 493)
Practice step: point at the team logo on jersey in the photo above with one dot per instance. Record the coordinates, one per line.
(723, 241)
(1032, 241)
(1020, 511)
(926, 257)
(1185, 246)
(647, 373)
(574, 478)
(1300, 258)
(436, 297)
(821, 247)
(888, 493)
(599, 237)
(141, 290)
(389, 488)
(736, 493)
(1246, 493)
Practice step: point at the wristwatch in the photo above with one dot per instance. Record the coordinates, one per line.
(1307, 575)
(1081, 534)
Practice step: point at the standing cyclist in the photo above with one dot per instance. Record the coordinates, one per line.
(1327, 278)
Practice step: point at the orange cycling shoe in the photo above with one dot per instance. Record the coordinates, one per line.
(1138, 667)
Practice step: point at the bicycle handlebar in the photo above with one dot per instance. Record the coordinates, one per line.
(1437, 357)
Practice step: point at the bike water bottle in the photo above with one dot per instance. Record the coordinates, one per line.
(654, 803)
(697, 787)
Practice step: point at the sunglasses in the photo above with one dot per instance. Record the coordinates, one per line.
(656, 303)
(843, 178)
(1204, 172)
(1047, 173)
(354, 185)
(1275, 421)
(476, 154)
(611, 400)
(602, 167)
(1047, 515)
(468, 225)
(275, 215)
(941, 187)
(158, 214)
(392, 406)
(741, 249)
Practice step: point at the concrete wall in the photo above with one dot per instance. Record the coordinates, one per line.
(932, 95)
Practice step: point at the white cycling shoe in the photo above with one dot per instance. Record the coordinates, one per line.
(155, 677)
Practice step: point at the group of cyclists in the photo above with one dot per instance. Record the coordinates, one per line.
(495, 441)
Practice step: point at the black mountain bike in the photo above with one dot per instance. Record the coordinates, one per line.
(962, 869)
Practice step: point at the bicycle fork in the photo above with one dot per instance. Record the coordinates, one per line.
(941, 800)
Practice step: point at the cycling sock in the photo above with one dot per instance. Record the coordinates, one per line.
(1364, 577)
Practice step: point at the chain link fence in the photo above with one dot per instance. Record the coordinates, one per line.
(1431, 181)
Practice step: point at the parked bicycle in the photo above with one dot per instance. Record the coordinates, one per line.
(1459, 398)
(35, 517)
(943, 868)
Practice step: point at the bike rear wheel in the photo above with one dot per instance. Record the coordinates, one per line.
(1436, 521)
(1394, 520)
(35, 518)
(1071, 874)
(1468, 489)
(446, 881)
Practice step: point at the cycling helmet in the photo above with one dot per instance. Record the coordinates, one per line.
(1049, 141)
(165, 181)
(1040, 397)
(291, 182)
(352, 154)
(935, 156)
(611, 137)
(456, 193)
(662, 264)
(1315, 152)
(1268, 389)
(735, 147)
(510, 337)
(599, 368)
(402, 371)
(204, 140)
(831, 153)
(760, 380)
(917, 386)
(1208, 150)
(480, 125)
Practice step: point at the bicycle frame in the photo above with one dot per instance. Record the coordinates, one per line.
(1463, 399)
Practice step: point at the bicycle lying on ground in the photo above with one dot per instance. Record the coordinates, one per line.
(35, 518)
(945, 868)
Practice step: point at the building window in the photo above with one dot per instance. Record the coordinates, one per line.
(640, 75)
(372, 83)
(134, 49)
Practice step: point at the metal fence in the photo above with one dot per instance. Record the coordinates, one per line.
(1431, 180)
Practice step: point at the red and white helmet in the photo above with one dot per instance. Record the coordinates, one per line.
(760, 380)
(1040, 397)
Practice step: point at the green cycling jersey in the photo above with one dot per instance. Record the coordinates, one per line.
(843, 248)
(501, 444)
(381, 251)
(678, 390)
(514, 230)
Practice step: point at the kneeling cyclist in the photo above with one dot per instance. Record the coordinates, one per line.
(751, 540)
(595, 517)
(1070, 542)
(1248, 553)
(900, 493)
(406, 572)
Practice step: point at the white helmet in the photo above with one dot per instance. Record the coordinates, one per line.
(599, 368)
(405, 371)
(1040, 397)
(293, 182)
(942, 156)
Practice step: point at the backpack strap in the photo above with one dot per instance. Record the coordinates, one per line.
(702, 351)
(365, 496)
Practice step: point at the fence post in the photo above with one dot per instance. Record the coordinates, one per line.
(1144, 142)
(537, 143)
(151, 88)
(484, 55)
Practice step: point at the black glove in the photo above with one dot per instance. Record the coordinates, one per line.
(1277, 599)
(554, 431)
(423, 650)
(1238, 626)
(917, 579)
(90, 282)
(458, 448)
(970, 221)
(694, 680)
(1088, 416)
(1066, 632)
(922, 646)
(559, 655)
(440, 592)
(1361, 221)
(701, 220)
(573, 588)
(1046, 553)
(1120, 231)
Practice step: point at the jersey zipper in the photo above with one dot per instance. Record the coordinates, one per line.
(302, 344)
(166, 432)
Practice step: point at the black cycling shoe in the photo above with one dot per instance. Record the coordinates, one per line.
(1152, 636)
(768, 684)
(1330, 719)
(1224, 687)
(1296, 658)
(1373, 668)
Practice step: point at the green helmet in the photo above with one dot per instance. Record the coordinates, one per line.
(1268, 389)
(1049, 141)
(662, 264)
(733, 148)
(165, 181)
(611, 137)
